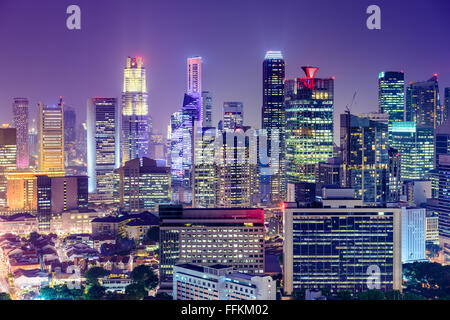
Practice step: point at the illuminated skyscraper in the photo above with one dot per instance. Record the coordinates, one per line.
(8, 159)
(207, 107)
(194, 75)
(273, 119)
(20, 112)
(444, 205)
(423, 104)
(102, 145)
(204, 177)
(236, 169)
(309, 124)
(364, 156)
(233, 115)
(142, 185)
(135, 119)
(70, 135)
(442, 141)
(446, 110)
(416, 147)
(51, 137)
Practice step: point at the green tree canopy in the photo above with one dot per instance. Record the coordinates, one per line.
(93, 274)
(95, 292)
(371, 295)
(136, 291)
(145, 276)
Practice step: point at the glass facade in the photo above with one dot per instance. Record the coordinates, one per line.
(20, 113)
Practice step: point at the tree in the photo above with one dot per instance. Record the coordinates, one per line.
(60, 292)
(145, 276)
(34, 236)
(136, 291)
(344, 295)
(153, 234)
(299, 295)
(4, 296)
(371, 295)
(93, 274)
(95, 292)
(160, 296)
(412, 296)
(393, 295)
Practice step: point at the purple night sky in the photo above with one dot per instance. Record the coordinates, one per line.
(41, 60)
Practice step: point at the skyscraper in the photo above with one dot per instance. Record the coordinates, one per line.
(8, 159)
(423, 104)
(194, 83)
(51, 137)
(70, 135)
(391, 94)
(20, 112)
(142, 185)
(273, 119)
(446, 109)
(207, 106)
(442, 141)
(338, 248)
(444, 205)
(135, 119)
(309, 124)
(416, 147)
(102, 145)
(365, 159)
(233, 115)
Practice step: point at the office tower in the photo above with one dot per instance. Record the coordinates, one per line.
(395, 176)
(423, 104)
(340, 248)
(416, 147)
(413, 235)
(446, 110)
(141, 185)
(204, 179)
(103, 145)
(236, 169)
(51, 137)
(176, 148)
(58, 194)
(309, 124)
(234, 237)
(233, 115)
(33, 144)
(365, 159)
(135, 119)
(444, 205)
(70, 135)
(442, 141)
(207, 107)
(329, 172)
(194, 84)
(219, 282)
(273, 118)
(391, 95)
(8, 159)
(157, 146)
(20, 113)
(432, 227)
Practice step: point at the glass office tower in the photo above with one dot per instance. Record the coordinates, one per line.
(135, 118)
(274, 119)
(309, 124)
(20, 113)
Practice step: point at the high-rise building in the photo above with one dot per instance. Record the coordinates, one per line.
(442, 141)
(423, 104)
(142, 185)
(58, 194)
(51, 137)
(204, 177)
(391, 95)
(413, 235)
(219, 282)
(233, 115)
(341, 249)
(70, 135)
(274, 120)
(309, 124)
(416, 147)
(236, 169)
(135, 118)
(8, 159)
(102, 145)
(329, 172)
(365, 159)
(234, 237)
(194, 83)
(395, 175)
(207, 109)
(20, 113)
(446, 110)
(444, 205)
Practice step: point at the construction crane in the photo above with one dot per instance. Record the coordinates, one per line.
(347, 107)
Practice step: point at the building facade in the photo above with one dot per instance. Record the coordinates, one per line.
(20, 114)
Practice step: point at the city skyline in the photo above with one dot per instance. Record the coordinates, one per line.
(92, 63)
